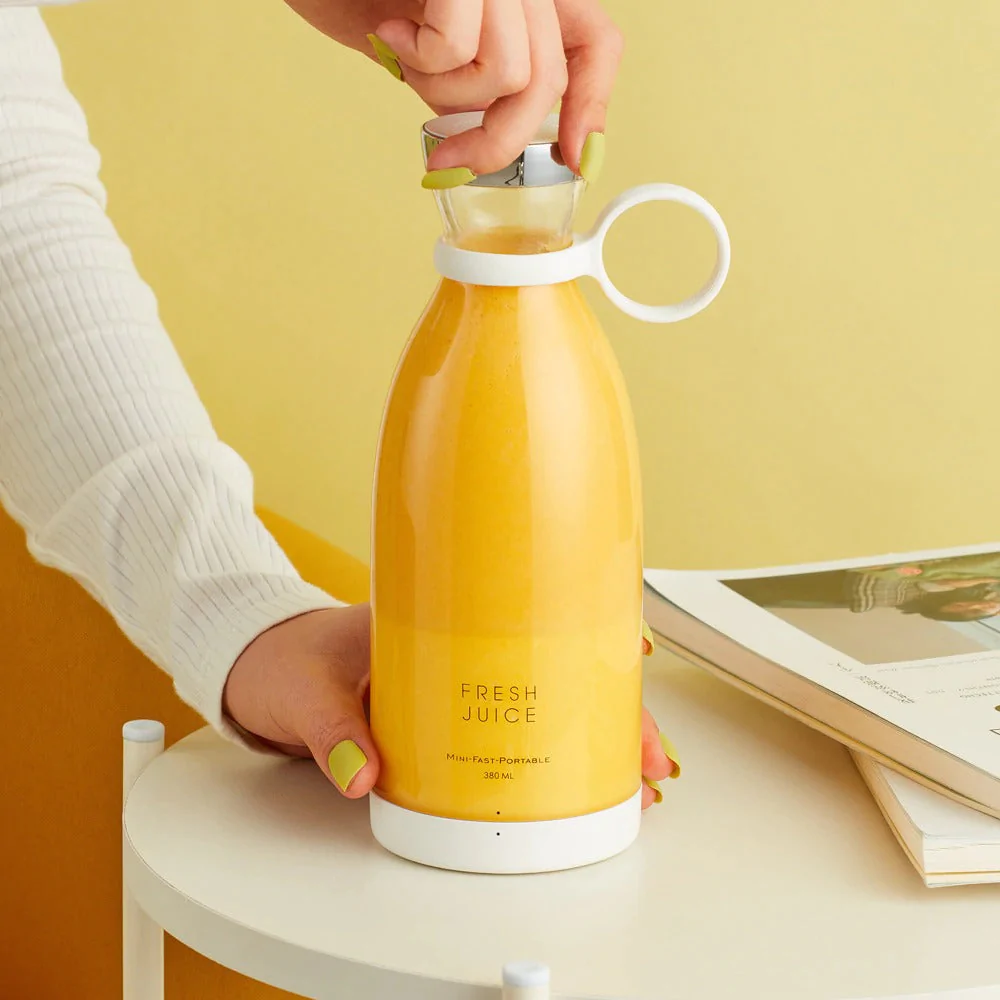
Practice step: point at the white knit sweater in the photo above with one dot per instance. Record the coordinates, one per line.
(107, 457)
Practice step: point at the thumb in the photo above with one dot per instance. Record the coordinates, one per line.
(336, 732)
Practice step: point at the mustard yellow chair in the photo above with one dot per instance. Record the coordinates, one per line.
(70, 680)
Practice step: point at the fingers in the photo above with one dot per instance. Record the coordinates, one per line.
(447, 39)
(515, 59)
(648, 643)
(659, 761)
(593, 54)
(336, 732)
(659, 757)
(655, 763)
(650, 794)
(510, 123)
(502, 65)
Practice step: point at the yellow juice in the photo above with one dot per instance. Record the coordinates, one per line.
(507, 561)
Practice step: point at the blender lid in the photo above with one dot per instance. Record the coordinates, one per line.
(540, 165)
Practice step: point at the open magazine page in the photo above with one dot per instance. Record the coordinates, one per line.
(914, 640)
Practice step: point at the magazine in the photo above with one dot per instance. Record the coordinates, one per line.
(897, 656)
(947, 843)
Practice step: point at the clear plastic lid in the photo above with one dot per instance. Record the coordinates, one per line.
(526, 208)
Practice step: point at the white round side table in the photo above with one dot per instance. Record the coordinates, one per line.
(767, 872)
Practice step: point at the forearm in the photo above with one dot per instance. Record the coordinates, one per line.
(107, 456)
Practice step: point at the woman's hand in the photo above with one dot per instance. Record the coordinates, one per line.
(301, 687)
(512, 59)
(659, 757)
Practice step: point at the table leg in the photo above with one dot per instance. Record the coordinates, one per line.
(525, 981)
(142, 939)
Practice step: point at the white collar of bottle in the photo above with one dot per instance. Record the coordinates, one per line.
(585, 258)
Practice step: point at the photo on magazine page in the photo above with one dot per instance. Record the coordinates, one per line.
(907, 612)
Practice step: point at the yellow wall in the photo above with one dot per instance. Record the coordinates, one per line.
(827, 404)
(830, 402)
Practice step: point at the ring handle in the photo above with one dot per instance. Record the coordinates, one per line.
(594, 241)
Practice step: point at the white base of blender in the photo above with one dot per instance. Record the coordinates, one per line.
(505, 848)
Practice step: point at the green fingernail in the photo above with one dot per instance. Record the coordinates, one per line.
(655, 785)
(386, 56)
(592, 157)
(345, 760)
(453, 177)
(647, 637)
(671, 751)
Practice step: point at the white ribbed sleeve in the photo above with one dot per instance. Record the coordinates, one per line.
(107, 457)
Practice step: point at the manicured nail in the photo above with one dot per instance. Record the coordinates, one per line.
(647, 639)
(386, 56)
(453, 177)
(592, 157)
(671, 751)
(345, 760)
(655, 785)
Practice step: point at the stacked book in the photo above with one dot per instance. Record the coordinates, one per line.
(897, 657)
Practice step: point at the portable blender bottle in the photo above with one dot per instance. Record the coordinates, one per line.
(506, 679)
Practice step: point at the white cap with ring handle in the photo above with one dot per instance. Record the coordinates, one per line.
(585, 258)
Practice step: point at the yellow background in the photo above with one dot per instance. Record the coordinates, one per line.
(838, 398)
